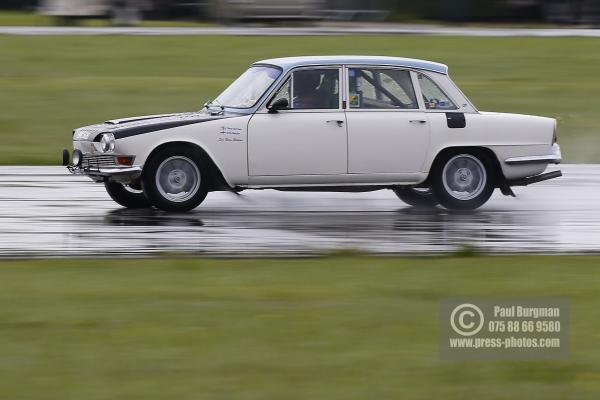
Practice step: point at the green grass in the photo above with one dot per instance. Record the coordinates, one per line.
(23, 18)
(50, 85)
(328, 328)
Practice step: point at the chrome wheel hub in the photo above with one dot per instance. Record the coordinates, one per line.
(464, 177)
(178, 179)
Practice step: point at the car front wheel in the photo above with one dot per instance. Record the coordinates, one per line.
(127, 196)
(173, 180)
(463, 181)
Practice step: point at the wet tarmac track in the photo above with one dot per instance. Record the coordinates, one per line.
(44, 212)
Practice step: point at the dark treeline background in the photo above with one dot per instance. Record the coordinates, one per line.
(556, 11)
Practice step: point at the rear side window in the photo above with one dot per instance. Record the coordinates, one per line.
(377, 88)
(433, 97)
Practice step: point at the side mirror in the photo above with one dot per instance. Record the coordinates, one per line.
(280, 104)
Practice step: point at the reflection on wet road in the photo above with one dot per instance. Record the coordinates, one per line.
(45, 212)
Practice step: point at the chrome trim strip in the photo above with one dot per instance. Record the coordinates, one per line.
(554, 158)
(533, 160)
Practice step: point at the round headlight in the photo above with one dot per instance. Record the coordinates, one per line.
(77, 157)
(107, 142)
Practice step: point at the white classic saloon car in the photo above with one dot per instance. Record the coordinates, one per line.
(338, 123)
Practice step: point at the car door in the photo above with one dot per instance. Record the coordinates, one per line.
(309, 137)
(388, 130)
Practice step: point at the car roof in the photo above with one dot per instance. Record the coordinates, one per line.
(288, 63)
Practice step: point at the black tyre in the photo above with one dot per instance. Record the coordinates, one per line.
(416, 197)
(126, 196)
(463, 180)
(173, 179)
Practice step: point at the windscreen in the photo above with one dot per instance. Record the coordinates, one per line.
(249, 87)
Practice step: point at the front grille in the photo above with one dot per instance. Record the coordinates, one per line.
(95, 162)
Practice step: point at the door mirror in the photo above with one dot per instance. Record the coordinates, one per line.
(279, 104)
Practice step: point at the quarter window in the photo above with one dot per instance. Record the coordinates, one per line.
(433, 97)
(312, 89)
(381, 88)
(284, 93)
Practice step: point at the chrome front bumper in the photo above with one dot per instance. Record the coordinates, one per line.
(118, 174)
(134, 171)
(554, 158)
(103, 168)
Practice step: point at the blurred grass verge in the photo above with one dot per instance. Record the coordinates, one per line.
(52, 84)
(325, 328)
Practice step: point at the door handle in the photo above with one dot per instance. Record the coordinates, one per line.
(418, 121)
(339, 122)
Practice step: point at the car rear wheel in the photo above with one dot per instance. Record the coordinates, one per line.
(127, 196)
(173, 179)
(416, 197)
(463, 181)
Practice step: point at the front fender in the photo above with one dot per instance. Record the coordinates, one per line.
(223, 140)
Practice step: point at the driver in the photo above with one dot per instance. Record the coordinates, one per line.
(306, 93)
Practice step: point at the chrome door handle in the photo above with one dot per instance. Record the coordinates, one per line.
(418, 121)
(339, 122)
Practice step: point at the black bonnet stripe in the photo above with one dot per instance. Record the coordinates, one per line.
(148, 128)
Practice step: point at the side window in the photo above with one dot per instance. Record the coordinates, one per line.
(433, 97)
(381, 88)
(312, 89)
